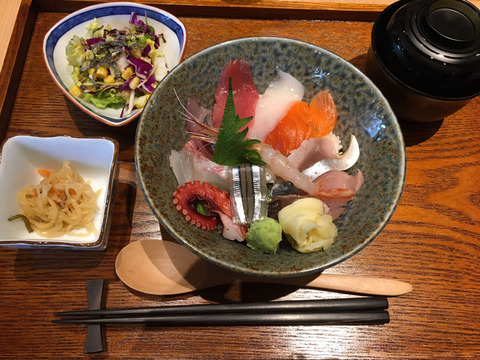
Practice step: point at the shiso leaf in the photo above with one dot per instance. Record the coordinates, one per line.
(231, 148)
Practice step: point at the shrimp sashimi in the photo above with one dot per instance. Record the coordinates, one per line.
(245, 94)
(281, 167)
(302, 122)
(199, 125)
(195, 115)
(274, 103)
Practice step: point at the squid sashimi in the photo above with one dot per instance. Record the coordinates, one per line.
(302, 122)
(245, 94)
(274, 103)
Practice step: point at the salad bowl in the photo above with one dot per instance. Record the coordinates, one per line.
(362, 111)
(117, 16)
(95, 159)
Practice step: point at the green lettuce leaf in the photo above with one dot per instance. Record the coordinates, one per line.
(74, 51)
(105, 99)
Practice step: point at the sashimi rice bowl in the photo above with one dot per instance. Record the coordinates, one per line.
(270, 156)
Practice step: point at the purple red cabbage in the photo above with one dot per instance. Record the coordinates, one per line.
(126, 84)
(94, 41)
(142, 68)
(147, 50)
(135, 21)
(148, 84)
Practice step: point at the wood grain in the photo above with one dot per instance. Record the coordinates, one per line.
(432, 240)
(7, 22)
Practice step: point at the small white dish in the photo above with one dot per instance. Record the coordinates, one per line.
(117, 15)
(95, 159)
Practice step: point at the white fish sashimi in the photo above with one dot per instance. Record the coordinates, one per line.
(181, 163)
(272, 106)
(315, 149)
(189, 164)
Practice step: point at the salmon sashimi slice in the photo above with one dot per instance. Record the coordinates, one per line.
(302, 122)
(245, 94)
(323, 113)
(291, 130)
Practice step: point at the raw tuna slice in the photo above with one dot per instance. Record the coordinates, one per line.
(245, 94)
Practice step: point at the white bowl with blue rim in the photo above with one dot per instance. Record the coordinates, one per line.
(116, 15)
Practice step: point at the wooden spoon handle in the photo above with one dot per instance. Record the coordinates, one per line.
(361, 285)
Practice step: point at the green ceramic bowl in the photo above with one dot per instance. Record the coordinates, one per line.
(362, 111)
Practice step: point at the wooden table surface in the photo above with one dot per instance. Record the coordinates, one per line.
(432, 240)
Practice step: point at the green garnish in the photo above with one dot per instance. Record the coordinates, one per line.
(200, 207)
(25, 220)
(232, 148)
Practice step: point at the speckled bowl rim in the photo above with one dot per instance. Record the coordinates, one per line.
(307, 270)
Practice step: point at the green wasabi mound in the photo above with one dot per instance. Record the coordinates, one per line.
(264, 235)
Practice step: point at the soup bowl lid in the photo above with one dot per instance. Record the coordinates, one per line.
(432, 46)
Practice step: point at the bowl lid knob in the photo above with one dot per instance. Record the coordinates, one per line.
(451, 24)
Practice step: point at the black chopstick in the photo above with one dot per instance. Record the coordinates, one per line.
(367, 310)
(331, 305)
(229, 319)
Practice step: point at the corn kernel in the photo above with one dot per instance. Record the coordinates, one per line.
(91, 71)
(136, 53)
(127, 73)
(75, 90)
(151, 43)
(109, 79)
(101, 73)
(134, 83)
(142, 104)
